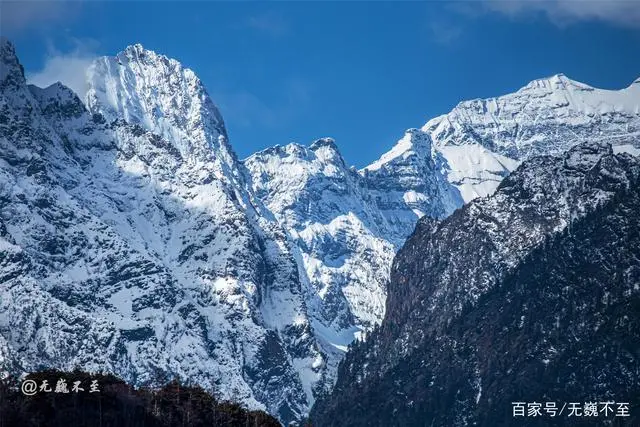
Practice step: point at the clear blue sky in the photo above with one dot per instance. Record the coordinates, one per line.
(360, 72)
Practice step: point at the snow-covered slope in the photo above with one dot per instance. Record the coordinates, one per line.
(342, 249)
(140, 252)
(407, 183)
(482, 140)
(547, 114)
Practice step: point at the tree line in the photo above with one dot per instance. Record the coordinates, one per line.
(68, 399)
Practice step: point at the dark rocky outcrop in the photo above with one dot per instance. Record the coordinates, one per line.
(532, 294)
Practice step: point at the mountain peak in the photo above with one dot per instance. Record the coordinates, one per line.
(162, 96)
(327, 150)
(56, 89)
(58, 99)
(136, 47)
(559, 77)
(137, 51)
(323, 142)
(10, 67)
(555, 82)
(6, 46)
(322, 149)
(414, 141)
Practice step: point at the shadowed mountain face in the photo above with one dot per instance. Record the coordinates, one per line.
(531, 295)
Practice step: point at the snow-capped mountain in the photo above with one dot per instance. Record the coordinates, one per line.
(407, 184)
(483, 140)
(133, 240)
(142, 253)
(430, 172)
(528, 295)
(338, 232)
(165, 98)
(347, 225)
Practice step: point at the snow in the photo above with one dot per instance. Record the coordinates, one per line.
(158, 233)
(627, 148)
(338, 339)
(547, 116)
(403, 148)
(8, 247)
(150, 223)
(478, 384)
(475, 170)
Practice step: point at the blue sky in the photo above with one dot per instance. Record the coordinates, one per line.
(360, 72)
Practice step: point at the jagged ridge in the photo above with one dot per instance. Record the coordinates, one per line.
(528, 295)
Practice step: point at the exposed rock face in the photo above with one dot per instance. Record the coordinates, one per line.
(130, 243)
(529, 295)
